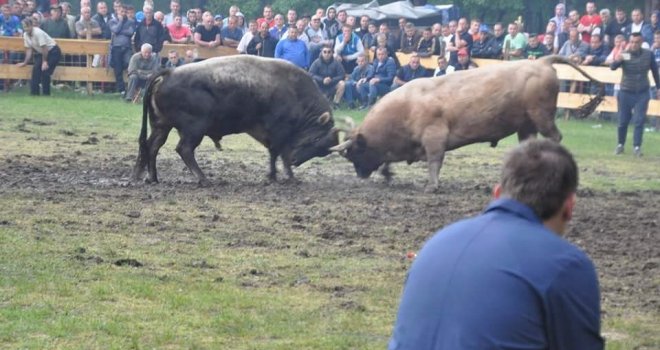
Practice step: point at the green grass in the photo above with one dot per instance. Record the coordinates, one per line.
(201, 286)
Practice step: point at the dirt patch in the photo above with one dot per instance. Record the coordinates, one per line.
(330, 207)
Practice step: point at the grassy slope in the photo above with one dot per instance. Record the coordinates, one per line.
(49, 299)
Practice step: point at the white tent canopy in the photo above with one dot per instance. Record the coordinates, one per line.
(391, 11)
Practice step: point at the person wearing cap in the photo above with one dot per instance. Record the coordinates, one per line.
(207, 34)
(46, 53)
(56, 26)
(463, 60)
(486, 46)
(217, 21)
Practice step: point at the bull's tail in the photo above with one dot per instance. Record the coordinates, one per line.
(589, 107)
(148, 112)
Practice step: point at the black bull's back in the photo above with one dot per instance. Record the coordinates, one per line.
(273, 101)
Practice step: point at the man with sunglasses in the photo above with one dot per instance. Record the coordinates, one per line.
(328, 74)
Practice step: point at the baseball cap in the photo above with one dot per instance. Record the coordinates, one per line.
(217, 17)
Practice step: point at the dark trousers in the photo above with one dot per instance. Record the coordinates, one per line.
(43, 76)
(119, 57)
(632, 105)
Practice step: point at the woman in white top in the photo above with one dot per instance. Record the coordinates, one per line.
(46, 56)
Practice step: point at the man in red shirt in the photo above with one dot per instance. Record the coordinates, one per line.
(590, 21)
(268, 17)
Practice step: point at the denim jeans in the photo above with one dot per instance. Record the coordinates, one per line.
(632, 105)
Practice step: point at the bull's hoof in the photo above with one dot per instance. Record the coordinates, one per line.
(432, 189)
(151, 181)
(292, 181)
(204, 183)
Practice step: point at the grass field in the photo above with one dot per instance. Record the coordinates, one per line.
(237, 267)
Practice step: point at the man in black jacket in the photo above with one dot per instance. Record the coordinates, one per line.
(149, 31)
(328, 74)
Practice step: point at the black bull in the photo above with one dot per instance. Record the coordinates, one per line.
(273, 101)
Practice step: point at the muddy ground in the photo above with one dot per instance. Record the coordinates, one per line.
(619, 230)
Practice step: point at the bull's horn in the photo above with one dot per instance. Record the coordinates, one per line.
(342, 146)
(324, 118)
(349, 121)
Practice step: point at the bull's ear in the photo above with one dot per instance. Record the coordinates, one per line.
(361, 141)
(324, 118)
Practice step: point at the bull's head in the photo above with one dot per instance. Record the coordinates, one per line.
(316, 140)
(366, 160)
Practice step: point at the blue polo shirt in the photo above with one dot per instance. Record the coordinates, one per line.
(501, 280)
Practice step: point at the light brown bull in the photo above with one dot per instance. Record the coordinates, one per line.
(427, 117)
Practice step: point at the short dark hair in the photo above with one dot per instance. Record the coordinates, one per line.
(540, 173)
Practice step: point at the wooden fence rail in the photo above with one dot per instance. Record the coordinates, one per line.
(90, 48)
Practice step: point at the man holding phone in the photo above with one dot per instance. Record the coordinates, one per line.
(634, 94)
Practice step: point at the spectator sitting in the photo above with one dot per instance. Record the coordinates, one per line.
(549, 43)
(411, 71)
(69, 18)
(233, 10)
(430, 45)
(357, 78)
(173, 60)
(486, 46)
(381, 41)
(217, 21)
(514, 43)
(574, 49)
(534, 49)
(330, 23)
(498, 35)
(639, 25)
(231, 34)
(140, 68)
(443, 67)
(207, 34)
(369, 38)
(328, 74)
(347, 47)
(247, 37)
(86, 27)
(409, 39)
(464, 61)
(293, 50)
(364, 26)
(192, 20)
(262, 44)
(179, 33)
(563, 35)
(597, 53)
(381, 78)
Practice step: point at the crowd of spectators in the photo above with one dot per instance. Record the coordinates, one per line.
(592, 38)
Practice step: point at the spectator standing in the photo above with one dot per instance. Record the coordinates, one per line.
(364, 26)
(233, 10)
(142, 66)
(293, 50)
(357, 78)
(122, 29)
(150, 31)
(408, 72)
(262, 44)
(499, 36)
(291, 18)
(268, 17)
(549, 43)
(175, 9)
(56, 26)
(507, 278)
(318, 37)
(69, 18)
(46, 53)
(347, 47)
(564, 34)
(639, 25)
(207, 34)
(486, 46)
(231, 34)
(328, 74)
(534, 49)
(409, 39)
(279, 28)
(429, 45)
(193, 20)
(102, 17)
(574, 49)
(514, 43)
(589, 22)
(330, 23)
(596, 53)
(10, 25)
(86, 27)
(247, 37)
(634, 93)
(617, 27)
(381, 78)
(179, 32)
(559, 18)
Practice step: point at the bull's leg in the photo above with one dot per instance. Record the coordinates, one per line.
(386, 172)
(544, 121)
(140, 164)
(186, 149)
(286, 160)
(434, 142)
(154, 143)
(272, 175)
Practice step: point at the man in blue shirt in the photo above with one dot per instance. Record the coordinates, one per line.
(411, 71)
(381, 78)
(292, 49)
(506, 279)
